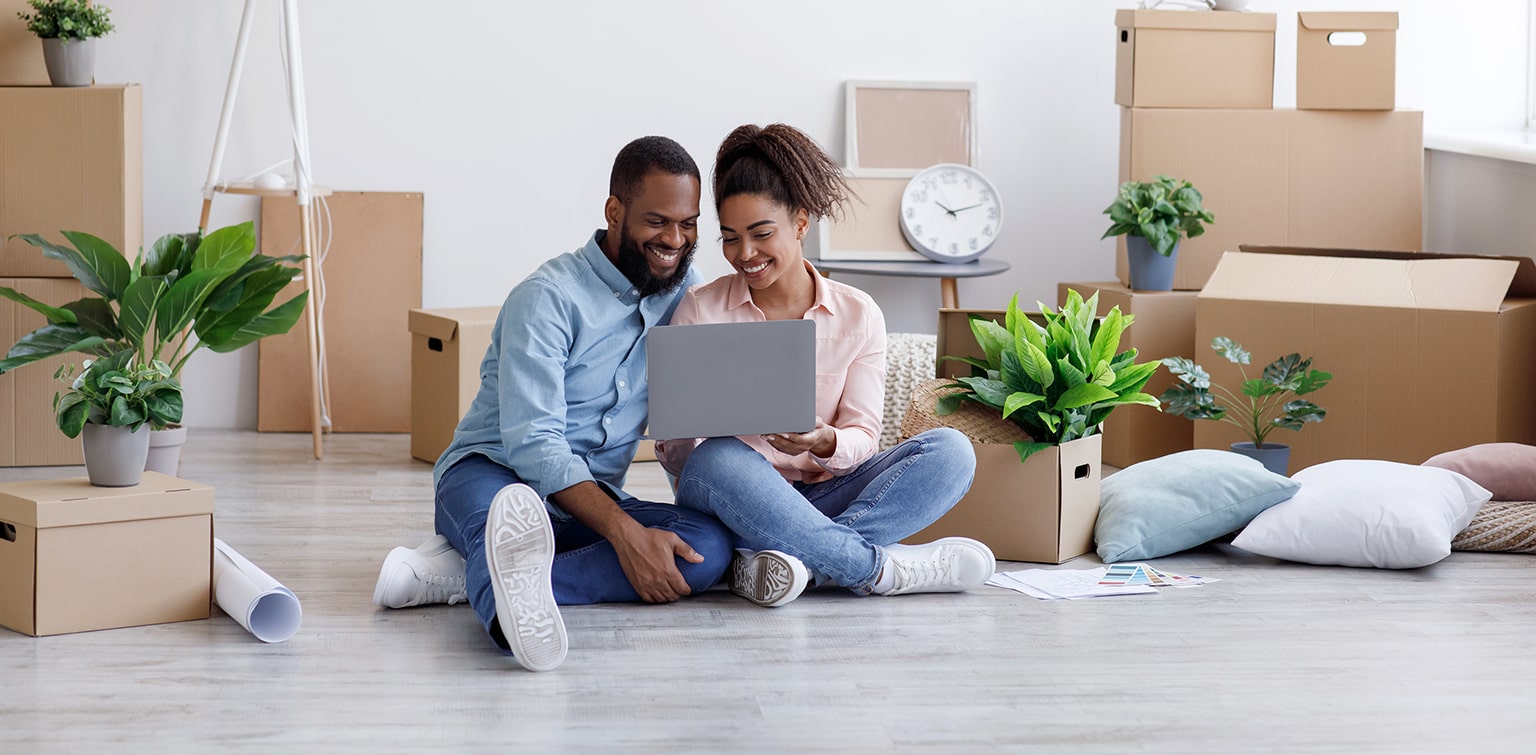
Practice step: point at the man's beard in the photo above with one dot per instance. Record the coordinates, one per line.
(634, 262)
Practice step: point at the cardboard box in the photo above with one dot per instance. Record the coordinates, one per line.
(1429, 352)
(1042, 510)
(1164, 327)
(372, 276)
(71, 159)
(21, 52)
(1282, 177)
(447, 347)
(28, 435)
(76, 558)
(1346, 61)
(1202, 60)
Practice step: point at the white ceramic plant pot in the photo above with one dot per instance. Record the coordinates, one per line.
(165, 450)
(71, 62)
(114, 456)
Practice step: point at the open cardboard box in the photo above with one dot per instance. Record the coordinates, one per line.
(1042, 510)
(1429, 352)
(75, 557)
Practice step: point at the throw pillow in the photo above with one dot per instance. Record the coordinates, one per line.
(1504, 526)
(1507, 470)
(1182, 500)
(1367, 513)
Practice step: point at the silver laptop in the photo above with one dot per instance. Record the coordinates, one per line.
(738, 378)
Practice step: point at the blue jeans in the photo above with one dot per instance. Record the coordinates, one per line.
(836, 527)
(586, 568)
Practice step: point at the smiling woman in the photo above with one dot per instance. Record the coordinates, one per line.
(820, 506)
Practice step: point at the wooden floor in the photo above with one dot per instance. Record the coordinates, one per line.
(1274, 658)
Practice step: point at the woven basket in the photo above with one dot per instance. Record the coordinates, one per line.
(982, 424)
(1504, 526)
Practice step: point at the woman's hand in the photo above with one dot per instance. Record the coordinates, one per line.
(821, 441)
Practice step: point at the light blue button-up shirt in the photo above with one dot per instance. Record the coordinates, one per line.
(562, 387)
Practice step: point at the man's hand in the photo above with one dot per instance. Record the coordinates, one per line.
(821, 441)
(647, 557)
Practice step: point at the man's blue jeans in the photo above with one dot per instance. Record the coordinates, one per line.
(586, 568)
(836, 527)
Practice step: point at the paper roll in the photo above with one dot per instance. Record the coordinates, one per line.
(252, 597)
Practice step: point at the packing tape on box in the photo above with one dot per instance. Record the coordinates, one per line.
(252, 597)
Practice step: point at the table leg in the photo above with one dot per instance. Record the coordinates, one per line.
(951, 293)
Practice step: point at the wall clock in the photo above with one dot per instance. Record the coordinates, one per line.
(951, 213)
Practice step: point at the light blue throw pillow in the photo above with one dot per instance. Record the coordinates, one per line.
(1182, 500)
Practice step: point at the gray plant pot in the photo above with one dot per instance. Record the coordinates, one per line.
(71, 63)
(1150, 271)
(165, 450)
(114, 457)
(1276, 457)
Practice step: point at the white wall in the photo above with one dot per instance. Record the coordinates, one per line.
(507, 116)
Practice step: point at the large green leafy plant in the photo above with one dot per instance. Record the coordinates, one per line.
(1263, 405)
(185, 293)
(1057, 380)
(117, 391)
(1161, 210)
(67, 19)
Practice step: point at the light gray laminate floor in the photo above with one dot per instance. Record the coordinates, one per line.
(1274, 658)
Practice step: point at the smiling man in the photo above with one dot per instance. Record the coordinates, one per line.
(531, 512)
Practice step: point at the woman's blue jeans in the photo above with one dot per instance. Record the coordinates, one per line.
(836, 527)
(586, 568)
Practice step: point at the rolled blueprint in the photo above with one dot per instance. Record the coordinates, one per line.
(252, 597)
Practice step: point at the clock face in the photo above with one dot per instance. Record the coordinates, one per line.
(951, 213)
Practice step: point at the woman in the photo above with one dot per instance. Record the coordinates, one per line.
(822, 504)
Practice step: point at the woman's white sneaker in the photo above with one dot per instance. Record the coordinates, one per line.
(520, 551)
(767, 578)
(951, 564)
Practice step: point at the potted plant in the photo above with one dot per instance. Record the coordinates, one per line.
(108, 406)
(186, 293)
(1267, 401)
(68, 30)
(1153, 216)
(1057, 380)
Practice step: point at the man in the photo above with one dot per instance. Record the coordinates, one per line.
(530, 507)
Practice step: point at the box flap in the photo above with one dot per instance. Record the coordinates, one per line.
(444, 323)
(1330, 21)
(1198, 20)
(69, 502)
(1523, 284)
(1375, 279)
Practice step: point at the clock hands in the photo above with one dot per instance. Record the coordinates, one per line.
(962, 209)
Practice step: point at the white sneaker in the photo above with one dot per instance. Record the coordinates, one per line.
(429, 574)
(951, 564)
(520, 551)
(767, 578)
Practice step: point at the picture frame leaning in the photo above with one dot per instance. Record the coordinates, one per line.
(870, 229)
(910, 124)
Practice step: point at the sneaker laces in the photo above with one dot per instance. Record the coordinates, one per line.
(916, 575)
(441, 588)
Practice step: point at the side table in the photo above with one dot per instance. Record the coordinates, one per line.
(946, 272)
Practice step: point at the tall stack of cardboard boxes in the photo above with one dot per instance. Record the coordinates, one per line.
(70, 159)
(1344, 169)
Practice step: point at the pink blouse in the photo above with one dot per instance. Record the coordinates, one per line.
(850, 371)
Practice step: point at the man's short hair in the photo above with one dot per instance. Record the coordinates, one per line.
(643, 155)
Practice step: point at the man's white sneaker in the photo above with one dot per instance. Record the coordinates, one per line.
(520, 551)
(767, 578)
(428, 574)
(951, 564)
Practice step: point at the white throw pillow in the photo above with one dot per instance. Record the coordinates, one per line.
(1367, 513)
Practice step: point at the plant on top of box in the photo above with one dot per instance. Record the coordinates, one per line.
(108, 403)
(1153, 216)
(185, 293)
(68, 29)
(1057, 381)
(1265, 404)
